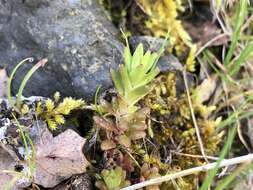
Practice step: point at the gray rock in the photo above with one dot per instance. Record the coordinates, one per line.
(81, 182)
(76, 37)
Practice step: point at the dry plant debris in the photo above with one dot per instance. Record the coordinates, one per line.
(45, 160)
(58, 158)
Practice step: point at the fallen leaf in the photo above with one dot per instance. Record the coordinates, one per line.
(124, 140)
(107, 145)
(3, 83)
(201, 34)
(206, 89)
(58, 158)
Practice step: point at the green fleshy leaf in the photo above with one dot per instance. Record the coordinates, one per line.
(137, 56)
(150, 63)
(127, 58)
(113, 178)
(117, 81)
(135, 95)
(125, 79)
(137, 75)
(148, 77)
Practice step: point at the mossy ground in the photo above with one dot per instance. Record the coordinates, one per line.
(172, 144)
(165, 123)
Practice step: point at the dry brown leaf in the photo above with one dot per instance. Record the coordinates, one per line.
(57, 158)
(201, 34)
(107, 145)
(206, 89)
(105, 124)
(3, 83)
(124, 140)
(137, 135)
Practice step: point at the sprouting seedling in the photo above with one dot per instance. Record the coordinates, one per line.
(30, 59)
(41, 63)
(137, 72)
(27, 142)
(30, 158)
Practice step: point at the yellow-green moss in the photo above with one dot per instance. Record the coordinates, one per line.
(173, 126)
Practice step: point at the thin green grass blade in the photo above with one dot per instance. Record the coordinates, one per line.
(240, 15)
(223, 184)
(245, 53)
(209, 57)
(32, 165)
(30, 59)
(211, 175)
(232, 120)
(239, 114)
(41, 63)
(23, 138)
(162, 49)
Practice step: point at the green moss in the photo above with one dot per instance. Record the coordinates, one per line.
(174, 129)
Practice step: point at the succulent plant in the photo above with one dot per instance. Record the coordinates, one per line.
(113, 179)
(138, 70)
(132, 82)
(147, 173)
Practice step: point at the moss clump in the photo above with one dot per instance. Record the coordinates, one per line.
(163, 18)
(173, 127)
(53, 111)
(154, 18)
(172, 137)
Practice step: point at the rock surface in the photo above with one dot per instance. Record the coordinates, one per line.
(76, 37)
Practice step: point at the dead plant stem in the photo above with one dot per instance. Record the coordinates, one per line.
(193, 118)
(207, 167)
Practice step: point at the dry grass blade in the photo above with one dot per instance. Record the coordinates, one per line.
(210, 42)
(194, 119)
(194, 156)
(207, 167)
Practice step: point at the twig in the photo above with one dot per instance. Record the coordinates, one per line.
(216, 14)
(224, 163)
(207, 44)
(193, 118)
(247, 23)
(194, 156)
(239, 130)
